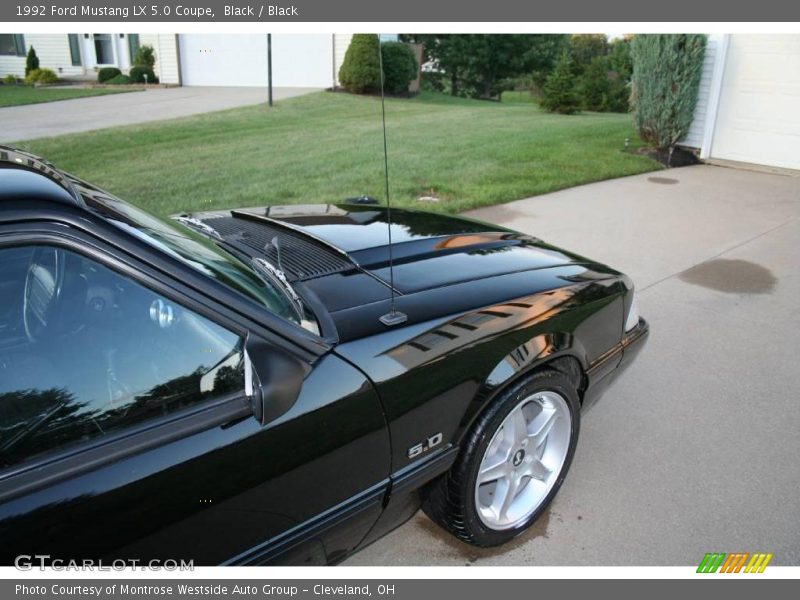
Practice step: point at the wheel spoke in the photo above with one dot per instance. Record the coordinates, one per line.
(500, 448)
(519, 425)
(493, 471)
(508, 433)
(511, 490)
(539, 471)
(542, 425)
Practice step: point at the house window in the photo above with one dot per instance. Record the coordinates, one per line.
(12, 44)
(133, 45)
(74, 49)
(103, 49)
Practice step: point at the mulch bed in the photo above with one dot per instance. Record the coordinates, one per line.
(679, 158)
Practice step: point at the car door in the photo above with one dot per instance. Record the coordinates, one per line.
(127, 430)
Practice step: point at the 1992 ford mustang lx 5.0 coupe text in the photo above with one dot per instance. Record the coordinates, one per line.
(221, 387)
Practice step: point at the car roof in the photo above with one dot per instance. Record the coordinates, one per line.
(25, 176)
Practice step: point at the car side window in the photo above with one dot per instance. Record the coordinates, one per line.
(86, 352)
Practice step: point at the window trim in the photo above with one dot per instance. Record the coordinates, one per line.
(112, 47)
(19, 45)
(74, 49)
(133, 47)
(93, 230)
(134, 268)
(98, 452)
(69, 462)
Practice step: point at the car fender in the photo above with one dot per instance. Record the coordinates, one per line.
(559, 350)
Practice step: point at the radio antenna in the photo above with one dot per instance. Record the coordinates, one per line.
(394, 316)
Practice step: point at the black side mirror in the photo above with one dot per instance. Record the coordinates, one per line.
(273, 379)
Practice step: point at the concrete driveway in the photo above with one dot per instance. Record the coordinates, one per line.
(697, 447)
(48, 119)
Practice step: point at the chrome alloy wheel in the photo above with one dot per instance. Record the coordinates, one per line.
(523, 460)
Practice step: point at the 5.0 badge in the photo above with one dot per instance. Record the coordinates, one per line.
(421, 448)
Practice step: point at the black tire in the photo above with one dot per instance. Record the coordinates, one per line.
(450, 500)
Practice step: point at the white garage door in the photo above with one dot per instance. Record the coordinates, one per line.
(759, 108)
(241, 60)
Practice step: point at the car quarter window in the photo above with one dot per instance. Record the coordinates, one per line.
(86, 352)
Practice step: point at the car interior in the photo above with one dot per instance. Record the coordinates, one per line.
(85, 351)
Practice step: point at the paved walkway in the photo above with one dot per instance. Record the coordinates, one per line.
(695, 448)
(47, 119)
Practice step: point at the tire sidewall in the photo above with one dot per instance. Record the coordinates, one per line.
(484, 432)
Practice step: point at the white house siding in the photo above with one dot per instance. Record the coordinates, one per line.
(694, 138)
(167, 61)
(341, 42)
(53, 52)
(12, 65)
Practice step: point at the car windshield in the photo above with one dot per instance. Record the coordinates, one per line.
(194, 250)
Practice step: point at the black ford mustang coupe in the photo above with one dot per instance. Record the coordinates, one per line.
(221, 388)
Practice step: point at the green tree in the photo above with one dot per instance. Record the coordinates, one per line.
(399, 67)
(619, 57)
(145, 57)
(449, 54)
(483, 65)
(604, 83)
(585, 48)
(559, 94)
(541, 57)
(619, 93)
(493, 60)
(360, 71)
(31, 61)
(666, 78)
(595, 85)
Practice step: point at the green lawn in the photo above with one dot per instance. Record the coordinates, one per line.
(325, 147)
(519, 96)
(16, 95)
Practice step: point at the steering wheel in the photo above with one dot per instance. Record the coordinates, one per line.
(43, 284)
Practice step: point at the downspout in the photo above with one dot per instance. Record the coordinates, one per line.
(160, 58)
(333, 62)
(178, 58)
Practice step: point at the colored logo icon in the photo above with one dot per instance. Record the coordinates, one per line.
(736, 562)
